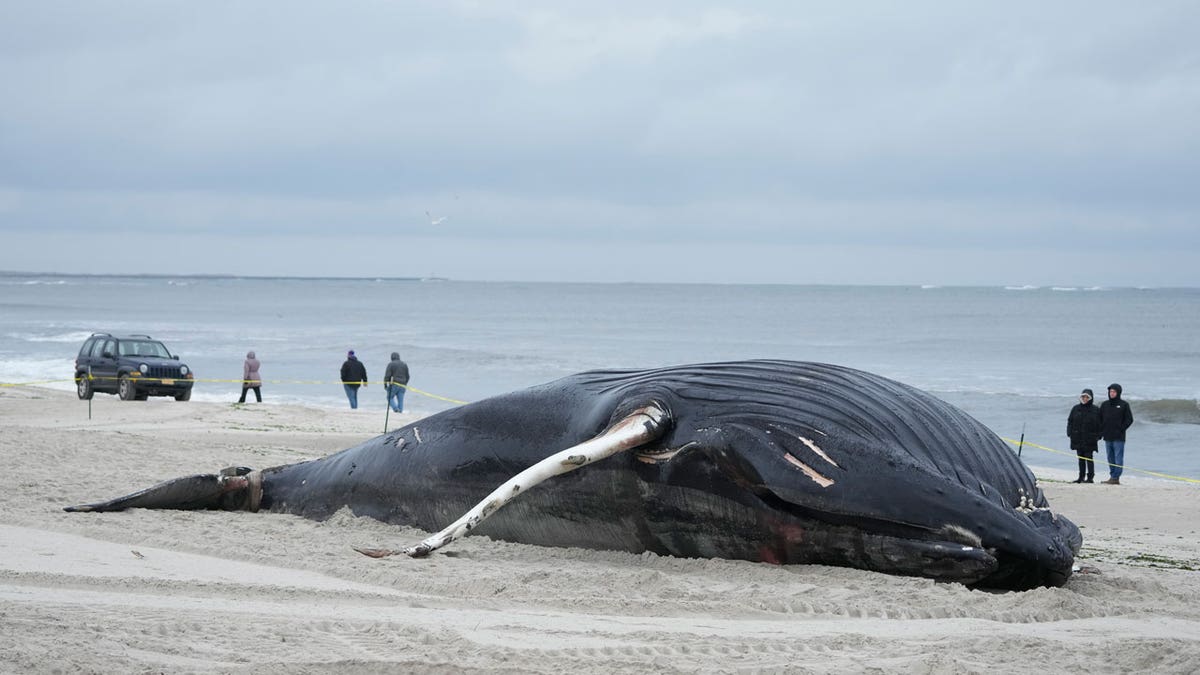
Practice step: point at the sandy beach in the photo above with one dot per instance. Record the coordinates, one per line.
(169, 591)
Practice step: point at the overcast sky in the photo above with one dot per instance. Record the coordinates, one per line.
(1046, 143)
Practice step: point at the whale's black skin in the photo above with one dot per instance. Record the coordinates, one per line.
(775, 461)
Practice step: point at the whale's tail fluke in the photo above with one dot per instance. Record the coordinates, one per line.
(233, 489)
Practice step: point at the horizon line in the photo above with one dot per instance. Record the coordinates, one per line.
(433, 277)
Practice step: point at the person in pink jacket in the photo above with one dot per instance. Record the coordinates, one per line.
(250, 378)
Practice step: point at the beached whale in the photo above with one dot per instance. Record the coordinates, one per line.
(775, 461)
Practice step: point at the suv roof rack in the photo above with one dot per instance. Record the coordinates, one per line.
(130, 335)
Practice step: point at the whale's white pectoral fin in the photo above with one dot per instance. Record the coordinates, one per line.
(638, 428)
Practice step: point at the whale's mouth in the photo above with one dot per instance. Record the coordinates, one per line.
(946, 558)
(1033, 549)
(949, 554)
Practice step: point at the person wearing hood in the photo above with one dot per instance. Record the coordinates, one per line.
(1083, 428)
(250, 377)
(1115, 418)
(395, 378)
(354, 375)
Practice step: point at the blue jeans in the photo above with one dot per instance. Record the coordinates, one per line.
(1116, 457)
(352, 394)
(395, 396)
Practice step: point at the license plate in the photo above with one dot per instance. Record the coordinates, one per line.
(168, 381)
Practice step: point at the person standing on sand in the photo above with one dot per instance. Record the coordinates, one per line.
(1115, 418)
(395, 379)
(1083, 428)
(354, 374)
(250, 377)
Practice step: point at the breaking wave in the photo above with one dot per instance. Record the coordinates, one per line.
(1168, 411)
(71, 337)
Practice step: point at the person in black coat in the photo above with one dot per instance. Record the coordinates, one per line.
(1115, 418)
(1083, 428)
(354, 373)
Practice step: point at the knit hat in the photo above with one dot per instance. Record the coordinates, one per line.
(1088, 392)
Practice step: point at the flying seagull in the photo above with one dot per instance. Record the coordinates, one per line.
(435, 221)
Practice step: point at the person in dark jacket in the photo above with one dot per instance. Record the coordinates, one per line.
(1083, 428)
(354, 374)
(395, 380)
(250, 377)
(1115, 418)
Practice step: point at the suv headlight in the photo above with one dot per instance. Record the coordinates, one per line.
(144, 369)
(183, 370)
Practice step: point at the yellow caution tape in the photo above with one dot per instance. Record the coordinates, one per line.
(425, 393)
(458, 402)
(143, 378)
(1124, 467)
(29, 384)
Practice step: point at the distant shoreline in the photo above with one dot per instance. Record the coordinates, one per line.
(1012, 287)
(78, 275)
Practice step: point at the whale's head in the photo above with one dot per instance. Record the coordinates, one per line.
(844, 467)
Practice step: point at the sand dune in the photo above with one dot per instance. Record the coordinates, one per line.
(242, 592)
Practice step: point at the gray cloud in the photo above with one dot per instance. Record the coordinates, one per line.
(570, 129)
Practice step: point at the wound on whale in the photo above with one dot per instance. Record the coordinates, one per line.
(772, 461)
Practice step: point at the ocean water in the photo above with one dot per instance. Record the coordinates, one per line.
(1015, 358)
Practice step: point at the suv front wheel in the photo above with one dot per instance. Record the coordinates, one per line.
(125, 388)
(83, 386)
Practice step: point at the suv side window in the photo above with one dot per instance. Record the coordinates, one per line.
(86, 350)
(110, 346)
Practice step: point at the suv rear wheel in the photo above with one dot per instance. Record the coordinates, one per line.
(125, 388)
(83, 386)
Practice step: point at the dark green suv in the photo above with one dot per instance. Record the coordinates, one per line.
(131, 366)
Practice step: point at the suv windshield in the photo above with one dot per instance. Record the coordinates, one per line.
(149, 348)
